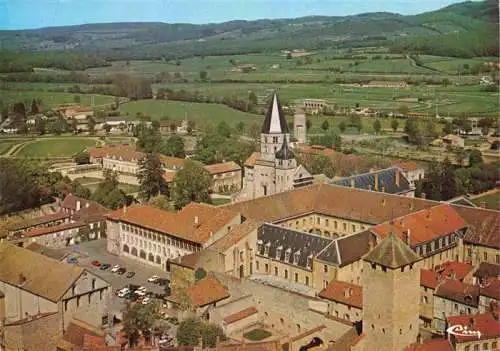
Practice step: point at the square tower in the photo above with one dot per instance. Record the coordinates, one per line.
(391, 296)
(274, 130)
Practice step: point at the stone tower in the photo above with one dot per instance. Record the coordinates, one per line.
(285, 165)
(274, 130)
(299, 125)
(391, 282)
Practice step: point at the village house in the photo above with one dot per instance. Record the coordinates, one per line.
(41, 296)
(314, 106)
(226, 177)
(39, 222)
(484, 331)
(345, 300)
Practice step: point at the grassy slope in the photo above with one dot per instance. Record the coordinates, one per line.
(197, 112)
(60, 147)
(50, 98)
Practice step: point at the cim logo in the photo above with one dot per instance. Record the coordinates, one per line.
(460, 330)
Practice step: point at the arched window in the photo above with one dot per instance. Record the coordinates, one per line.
(158, 260)
(151, 257)
(142, 254)
(134, 251)
(126, 248)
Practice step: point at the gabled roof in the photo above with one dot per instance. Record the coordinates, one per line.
(237, 316)
(343, 292)
(222, 167)
(485, 323)
(36, 273)
(54, 229)
(424, 225)
(429, 278)
(389, 180)
(71, 201)
(392, 252)
(484, 225)
(235, 235)
(250, 161)
(458, 291)
(274, 121)
(207, 291)
(454, 270)
(348, 249)
(487, 270)
(490, 288)
(39, 220)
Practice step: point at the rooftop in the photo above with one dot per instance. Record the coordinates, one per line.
(46, 251)
(345, 293)
(487, 270)
(207, 291)
(237, 316)
(196, 222)
(222, 167)
(458, 291)
(36, 273)
(431, 345)
(274, 121)
(389, 180)
(392, 252)
(53, 229)
(429, 278)
(235, 235)
(348, 248)
(250, 162)
(454, 270)
(39, 221)
(424, 225)
(485, 323)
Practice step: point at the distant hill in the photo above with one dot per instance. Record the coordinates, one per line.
(464, 29)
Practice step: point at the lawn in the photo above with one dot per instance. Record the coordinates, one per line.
(220, 201)
(50, 98)
(55, 147)
(93, 183)
(88, 180)
(198, 112)
(257, 334)
(128, 188)
(5, 145)
(492, 200)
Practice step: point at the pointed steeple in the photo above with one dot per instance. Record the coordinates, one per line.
(274, 122)
(392, 252)
(285, 153)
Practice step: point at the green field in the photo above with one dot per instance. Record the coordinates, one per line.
(52, 147)
(492, 200)
(194, 111)
(6, 144)
(49, 98)
(257, 334)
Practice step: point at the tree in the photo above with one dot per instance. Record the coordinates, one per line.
(74, 125)
(91, 125)
(403, 110)
(240, 127)
(289, 55)
(210, 333)
(189, 331)
(82, 158)
(308, 124)
(254, 131)
(173, 146)
(162, 202)
(355, 122)
(330, 140)
(35, 109)
(485, 124)
(150, 176)
(377, 126)
(108, 194)
(394, 125)
(448, 128)
(223, 129)
(18, 187)
(106, 127)
(448, 187)
(252, 98)
(138, 319)
(342, 126)
(192, 183)
(203, 76)
(475, 158)
(325, 126)
(199, 274)
(39, 125)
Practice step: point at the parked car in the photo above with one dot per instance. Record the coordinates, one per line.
(121, 271)
(153, 278)
(104, 266)
(123, 292)
(130, 274)
(115, 268)
(163, 282)
(72, 260)
(96, 263)
(145, 300)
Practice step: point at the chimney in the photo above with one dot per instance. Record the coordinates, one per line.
(423, 195)
(352, 183)
(375, 177)
(78, 205)
(125, 209)
(408, 236)
(397, 178)
(482, 204)
(347, 292)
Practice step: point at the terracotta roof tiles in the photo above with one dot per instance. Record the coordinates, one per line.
(39, 220)
(250, 161)
(454, 270)
(237, 316)
(429, 278)
(343, 292)
(392, 252)
(485, 323)
(235, 235)
(54, 229)
(431, 345)
(458, 291)
(484, 225)
(225, 167)
(207, 291)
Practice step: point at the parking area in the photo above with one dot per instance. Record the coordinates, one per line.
(95, 250)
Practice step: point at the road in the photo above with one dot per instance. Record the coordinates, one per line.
(96, 250)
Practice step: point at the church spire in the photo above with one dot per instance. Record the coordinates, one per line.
(274, 122)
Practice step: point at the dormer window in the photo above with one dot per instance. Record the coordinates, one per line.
(309, 261)
(259, 246)
(287, 254)
(278, 252)
(296, 257)
(266, 248)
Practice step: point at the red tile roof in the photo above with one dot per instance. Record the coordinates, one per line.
(308, 332)
(222, 167)
(491, 288)
(169, 176)
(458, 291)
(485, 323)
(39, 220)
(343, 292)
(54, 229)
(454, 270)
(484, 226)
(250, 162)
(207, 291)
(71, 201)
(76, 331)
(181, 224)
(431, 345)
(240, 315)
(128, 153)
(424, 225)
(429, 278)
(317, 150)
(234, 236)
(407, 166)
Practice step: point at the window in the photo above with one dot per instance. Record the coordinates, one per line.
(497, 259)
(241, 256)
(278, 252)
(276, 271)
(353, 227)
(256, 265)
(325, 268)
(327, 222)
(287, 254)
(296, 256)
(494, 345)
(425, 299)
(476, 347)
(259, 246)
(286, 273)
(485, 346)
(467, 348)
(78, 301)
(266, 267)
(309, 261)
(93, 283)
(318, 220)
(383, 330)
(325, 284)
(345, 226)
(266, 248)
(307, 280)
(447, 240)
(485, 256)
(296, 277)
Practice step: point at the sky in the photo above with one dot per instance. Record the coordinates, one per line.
(25, 14)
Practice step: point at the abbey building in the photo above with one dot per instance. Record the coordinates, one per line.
(274, 169)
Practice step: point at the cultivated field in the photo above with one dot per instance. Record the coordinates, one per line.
(194, 111)
(51, 98)
(55, 147)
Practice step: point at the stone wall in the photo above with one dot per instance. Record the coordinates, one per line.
(227, 308)
(40, 333)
